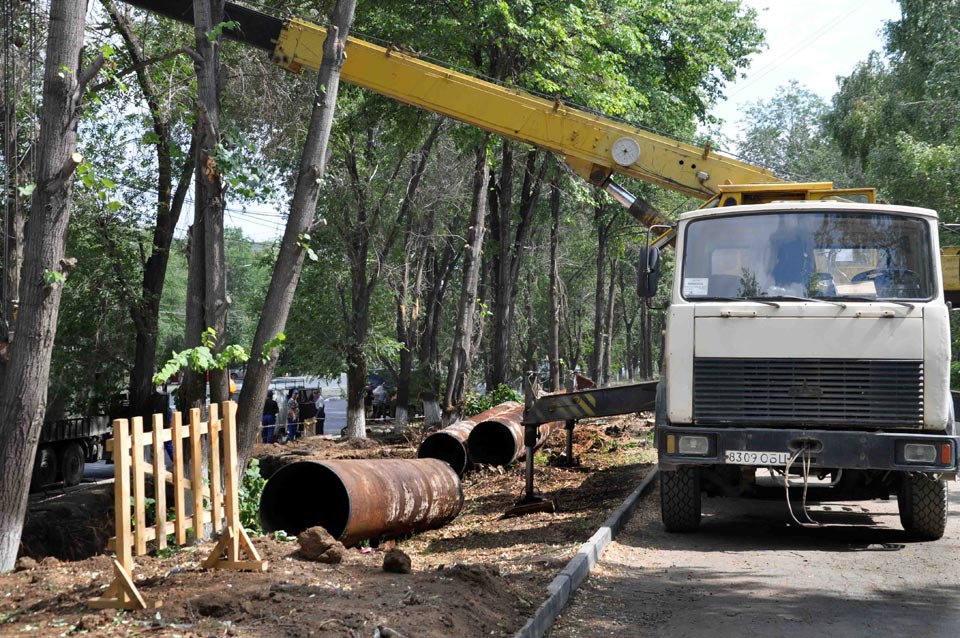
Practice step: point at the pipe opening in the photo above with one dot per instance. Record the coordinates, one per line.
(492, 443)
(304, 495)
(441, 445)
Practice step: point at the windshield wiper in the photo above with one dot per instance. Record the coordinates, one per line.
(762, 300)
(871, 300)
(799, 298)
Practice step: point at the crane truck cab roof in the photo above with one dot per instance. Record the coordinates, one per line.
(809, 206)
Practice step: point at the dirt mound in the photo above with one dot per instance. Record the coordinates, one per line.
(480, 575)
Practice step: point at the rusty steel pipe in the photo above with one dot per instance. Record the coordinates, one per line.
(499, 440)
(450, 443)
(357, 500)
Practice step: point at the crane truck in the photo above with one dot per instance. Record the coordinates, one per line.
(807, 348)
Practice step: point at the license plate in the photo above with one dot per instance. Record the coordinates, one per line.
(743, 457)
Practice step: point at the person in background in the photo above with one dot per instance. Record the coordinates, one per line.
(270, 412)
(293, 414)
(320, 405)
(380, 398)
(368, 400)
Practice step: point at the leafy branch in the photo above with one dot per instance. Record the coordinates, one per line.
(201, 358)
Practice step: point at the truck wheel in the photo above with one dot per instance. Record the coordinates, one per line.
(680, 499)
(44, 468)
(923, 506)
(71, 463)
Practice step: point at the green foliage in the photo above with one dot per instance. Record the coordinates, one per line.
(251, 488)
(53, 277)
(217, 30)
(236, 157)
(898, 114)
(269, 346)
(202, 358)
(787, 135)
(477, 403)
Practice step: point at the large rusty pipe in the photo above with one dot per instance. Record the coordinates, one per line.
(499, 440)
(450, 443)
(356, 500)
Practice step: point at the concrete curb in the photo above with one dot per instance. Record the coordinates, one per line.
(576, 571)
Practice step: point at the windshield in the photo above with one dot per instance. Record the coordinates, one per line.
(827, 255)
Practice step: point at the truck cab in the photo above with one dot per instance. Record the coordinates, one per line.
(807, 354)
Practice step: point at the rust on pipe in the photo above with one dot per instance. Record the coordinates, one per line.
(357, 500)
(450, 443)
(499, 440)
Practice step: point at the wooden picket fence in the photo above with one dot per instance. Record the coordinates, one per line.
(215, 504)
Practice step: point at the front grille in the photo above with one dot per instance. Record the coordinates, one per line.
(822, 392)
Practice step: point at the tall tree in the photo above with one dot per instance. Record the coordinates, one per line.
(286, 272)
(786, 134)
(898, 114)
(23, 379)
(553, 318)
(145, 306)
(461, 354)
(207, 290)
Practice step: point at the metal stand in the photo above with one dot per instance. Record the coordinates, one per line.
(568, 459)
(530, 502)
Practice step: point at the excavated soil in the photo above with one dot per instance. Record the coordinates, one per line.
(481, 575)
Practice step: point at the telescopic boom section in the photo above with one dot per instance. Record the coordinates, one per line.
(593, 146)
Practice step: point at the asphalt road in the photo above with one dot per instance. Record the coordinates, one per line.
(749, 572)
(336, 419)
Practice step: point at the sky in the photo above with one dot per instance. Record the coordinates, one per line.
(811, 41)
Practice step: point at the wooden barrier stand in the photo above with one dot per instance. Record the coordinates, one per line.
(223, 501)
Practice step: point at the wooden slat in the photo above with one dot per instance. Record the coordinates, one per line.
(166, 435)
(216, 497)
(139, 488)
(159, 485)
(167, 476)
(151, 532)
(121, 492)
(196, 469)
(179, 497)
(231, 480)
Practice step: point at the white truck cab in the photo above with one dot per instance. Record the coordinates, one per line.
(807, 338)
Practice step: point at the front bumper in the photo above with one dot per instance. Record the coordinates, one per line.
(830, 449)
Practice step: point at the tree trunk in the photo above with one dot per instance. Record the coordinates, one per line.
(630, 353)
(207, 14)
(458, 373)
(23, 386)
(145, 311)
(553, 320)
(286, 272)
(510, 249)
(596, 357)
(439, 267)
(608, 327)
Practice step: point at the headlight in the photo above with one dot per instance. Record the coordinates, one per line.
(925, 453)
(693, 445)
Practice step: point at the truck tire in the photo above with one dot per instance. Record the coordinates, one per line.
(44, 468)
(680, 499)
(71, 463)
(923, 506)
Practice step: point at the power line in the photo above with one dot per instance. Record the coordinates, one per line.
(786, 56)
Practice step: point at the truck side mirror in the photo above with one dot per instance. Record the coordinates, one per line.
(648, 273)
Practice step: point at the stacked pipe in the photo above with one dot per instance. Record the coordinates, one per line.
(450, 443)
(499, 440)
(357, 500)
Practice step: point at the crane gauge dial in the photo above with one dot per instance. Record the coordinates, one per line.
(625, 151)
